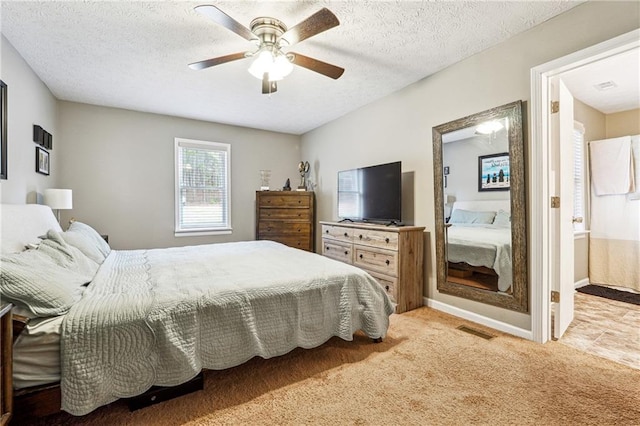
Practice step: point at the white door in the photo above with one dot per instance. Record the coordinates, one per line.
(562, 142)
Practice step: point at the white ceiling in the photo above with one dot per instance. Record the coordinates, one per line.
(134, 55)
(622, 69)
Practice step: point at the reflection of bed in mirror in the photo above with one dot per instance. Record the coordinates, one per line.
(479, 244)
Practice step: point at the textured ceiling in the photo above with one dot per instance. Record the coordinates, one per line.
(134, 55)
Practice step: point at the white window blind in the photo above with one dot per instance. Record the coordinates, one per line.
(202, 187)
(578, 175)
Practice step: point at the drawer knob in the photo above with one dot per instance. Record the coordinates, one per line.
(327, 248)
(386, 240)
(361, 256)
(387, 262)
(326, 231)
(346, 252)
(345, 234)
(360, 236)
(386, 287)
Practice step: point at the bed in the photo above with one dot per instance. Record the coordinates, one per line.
(479, 240)
(118, 322)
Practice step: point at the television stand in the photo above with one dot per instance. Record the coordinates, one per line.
(392, 255)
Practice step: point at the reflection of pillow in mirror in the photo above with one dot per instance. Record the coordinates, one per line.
(502, 218)
(468, 216)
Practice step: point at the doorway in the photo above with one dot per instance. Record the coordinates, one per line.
(546, 253)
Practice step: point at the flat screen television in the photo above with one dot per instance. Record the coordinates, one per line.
(371, 194)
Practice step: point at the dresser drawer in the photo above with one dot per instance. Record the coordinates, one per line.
(290, 200)
(373, 238)
(338, 233)
(388, 283)
(384, 261)
(285, 214)
(273, 228)
(300, 242)
(337, 250)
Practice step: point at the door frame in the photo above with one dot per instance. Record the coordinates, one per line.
(542, 242)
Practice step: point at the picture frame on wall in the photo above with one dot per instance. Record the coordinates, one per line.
(42, 161)
(494, 172)
(3, 130)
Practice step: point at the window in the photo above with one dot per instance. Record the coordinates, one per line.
(578, 176)
(202, 187)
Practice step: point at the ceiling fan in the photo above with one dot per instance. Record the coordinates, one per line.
(272, 35)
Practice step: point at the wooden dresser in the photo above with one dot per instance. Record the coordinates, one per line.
(393, 255)
(287, 217)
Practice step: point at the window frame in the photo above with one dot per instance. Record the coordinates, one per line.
(206, 145)
(579, 177)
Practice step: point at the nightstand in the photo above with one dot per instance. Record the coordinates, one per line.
(6, 363)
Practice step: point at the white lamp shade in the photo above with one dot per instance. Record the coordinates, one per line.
(58, 199)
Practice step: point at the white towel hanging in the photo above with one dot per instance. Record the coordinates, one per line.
(612, 166)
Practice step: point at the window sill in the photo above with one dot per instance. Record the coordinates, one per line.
(579, 235)
(200, 233)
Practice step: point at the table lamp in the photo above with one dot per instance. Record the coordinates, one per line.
(58, 199)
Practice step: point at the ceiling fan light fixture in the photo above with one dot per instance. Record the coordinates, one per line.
(276, 64)
(489, 127)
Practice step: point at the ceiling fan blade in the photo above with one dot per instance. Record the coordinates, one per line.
(320, 21)
(216, 61)
(225, 20)
(316, 65)
(268, 87)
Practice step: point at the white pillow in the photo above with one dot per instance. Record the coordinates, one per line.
(502, 218)
(468, 216)
(88, 241)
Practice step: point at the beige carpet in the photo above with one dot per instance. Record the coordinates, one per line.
(426, 372)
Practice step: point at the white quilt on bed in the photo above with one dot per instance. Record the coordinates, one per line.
(157, 317)
(482, 245)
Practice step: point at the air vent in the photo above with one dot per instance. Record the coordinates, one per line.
(605, 85)
(475, 332)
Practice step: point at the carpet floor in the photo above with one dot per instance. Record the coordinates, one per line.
(425, 372)
(611, 293)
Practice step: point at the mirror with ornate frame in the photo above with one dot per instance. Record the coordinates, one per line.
(480, 208)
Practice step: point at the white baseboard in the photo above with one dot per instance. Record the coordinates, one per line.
(581, 283)
(471, 316)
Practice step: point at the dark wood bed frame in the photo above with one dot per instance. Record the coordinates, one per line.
(45, 400)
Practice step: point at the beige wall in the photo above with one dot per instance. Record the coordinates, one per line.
(623, 123)
(398, 127)
(120, 165)
(30, 102)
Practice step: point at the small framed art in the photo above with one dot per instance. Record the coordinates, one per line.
(493, 172)
(42, 161)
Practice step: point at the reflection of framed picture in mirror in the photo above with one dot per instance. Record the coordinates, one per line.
(42, 161)
(446, 170)
(3, 130)
(493, 172)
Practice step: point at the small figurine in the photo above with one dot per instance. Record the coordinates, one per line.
(287, 186)
(303, 168)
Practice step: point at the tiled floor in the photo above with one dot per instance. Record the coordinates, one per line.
(606, 328)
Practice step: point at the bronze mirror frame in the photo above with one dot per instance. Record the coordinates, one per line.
(518, 300)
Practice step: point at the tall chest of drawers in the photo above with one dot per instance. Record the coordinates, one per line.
(393, 255)
(287, 217)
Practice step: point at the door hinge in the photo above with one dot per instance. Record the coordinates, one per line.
(555, 296)
(555, 202)
(555, 106)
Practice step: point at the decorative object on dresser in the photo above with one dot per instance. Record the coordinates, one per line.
(265, 178)
(286, 217)
(303, 168)
(6, 363)
(393, 255)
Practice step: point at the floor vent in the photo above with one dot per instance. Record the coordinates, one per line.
(475, 332)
